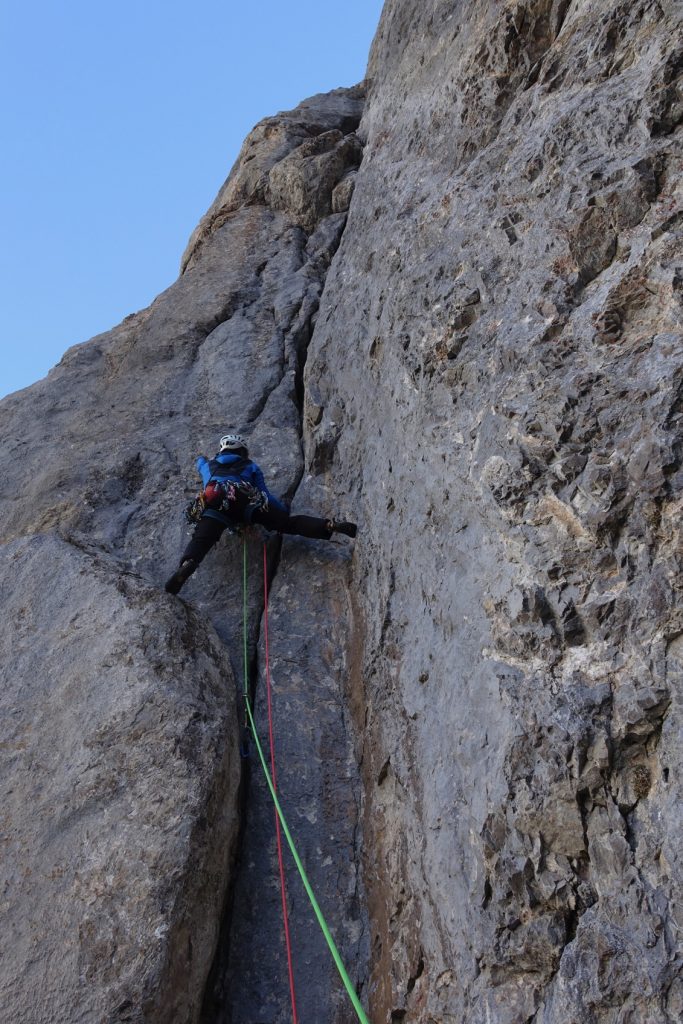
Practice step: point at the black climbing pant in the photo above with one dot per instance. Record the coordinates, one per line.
(282, 522)
(208, 530)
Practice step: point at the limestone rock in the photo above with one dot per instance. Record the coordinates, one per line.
(319, 788)
(304, 182)
(118, 777)
(495, 382)
(478, 703)
(342, 193)
(120, 731)
(272, 141)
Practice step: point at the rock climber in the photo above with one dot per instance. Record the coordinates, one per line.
(234, 494)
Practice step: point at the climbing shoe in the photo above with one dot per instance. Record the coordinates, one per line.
(182, 573)
(350, 529)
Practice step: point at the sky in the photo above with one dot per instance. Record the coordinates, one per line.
(120, 122)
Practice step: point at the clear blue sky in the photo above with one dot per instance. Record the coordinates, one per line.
(120, 122)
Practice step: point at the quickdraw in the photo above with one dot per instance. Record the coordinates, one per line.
(195, 510)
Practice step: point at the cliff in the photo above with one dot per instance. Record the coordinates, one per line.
(447, 304)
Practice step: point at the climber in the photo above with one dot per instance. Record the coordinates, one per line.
(235, 493)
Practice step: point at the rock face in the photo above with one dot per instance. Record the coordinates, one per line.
(118, 781)
(120, 764)
(496, 378)
(319, 784)
(478, 703)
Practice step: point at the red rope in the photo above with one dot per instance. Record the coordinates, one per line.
(272, 770)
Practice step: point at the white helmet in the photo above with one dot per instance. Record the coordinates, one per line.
(232, 443)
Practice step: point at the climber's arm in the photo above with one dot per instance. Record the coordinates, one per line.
(202, 465)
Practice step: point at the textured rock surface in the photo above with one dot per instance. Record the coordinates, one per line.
(493, 387)
(496, 376)
(118, 719)
(319, 786)
(117, 773)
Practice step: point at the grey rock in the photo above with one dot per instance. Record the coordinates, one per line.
(479, 701)
(273, 140)
(118, 778)
(118, 721)
(319, 787)
(343, 192)
(304, 182)
(494, 381)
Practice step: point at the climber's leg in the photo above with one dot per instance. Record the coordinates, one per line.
(283, 522)
(350, 529)
(207, 532)
(180, 576)
(303, 526)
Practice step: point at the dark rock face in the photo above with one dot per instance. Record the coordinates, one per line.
(478, 703)
(496, 376)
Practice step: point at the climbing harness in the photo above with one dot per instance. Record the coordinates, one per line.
(270, 780)
(232, 497)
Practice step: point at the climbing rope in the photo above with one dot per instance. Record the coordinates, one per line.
(283, 891)
(244, 742)
(353, 996)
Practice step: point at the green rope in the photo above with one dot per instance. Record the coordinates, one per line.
(353, 996)
(245, 690)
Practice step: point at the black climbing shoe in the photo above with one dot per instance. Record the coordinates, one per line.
(350, 529)
(181, 574)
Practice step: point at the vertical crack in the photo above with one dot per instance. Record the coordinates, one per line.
(216, 1008)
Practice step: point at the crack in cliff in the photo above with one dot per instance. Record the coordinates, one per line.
(212, 1001)
(215, 1005)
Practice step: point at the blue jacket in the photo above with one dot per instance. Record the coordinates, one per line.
(219, 468)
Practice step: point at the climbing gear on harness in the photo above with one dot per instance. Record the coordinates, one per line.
(348, 985)
(232, 443)
(253, 498)
(228, 496)
(233, 497)
(195, 510)
(180, 576)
